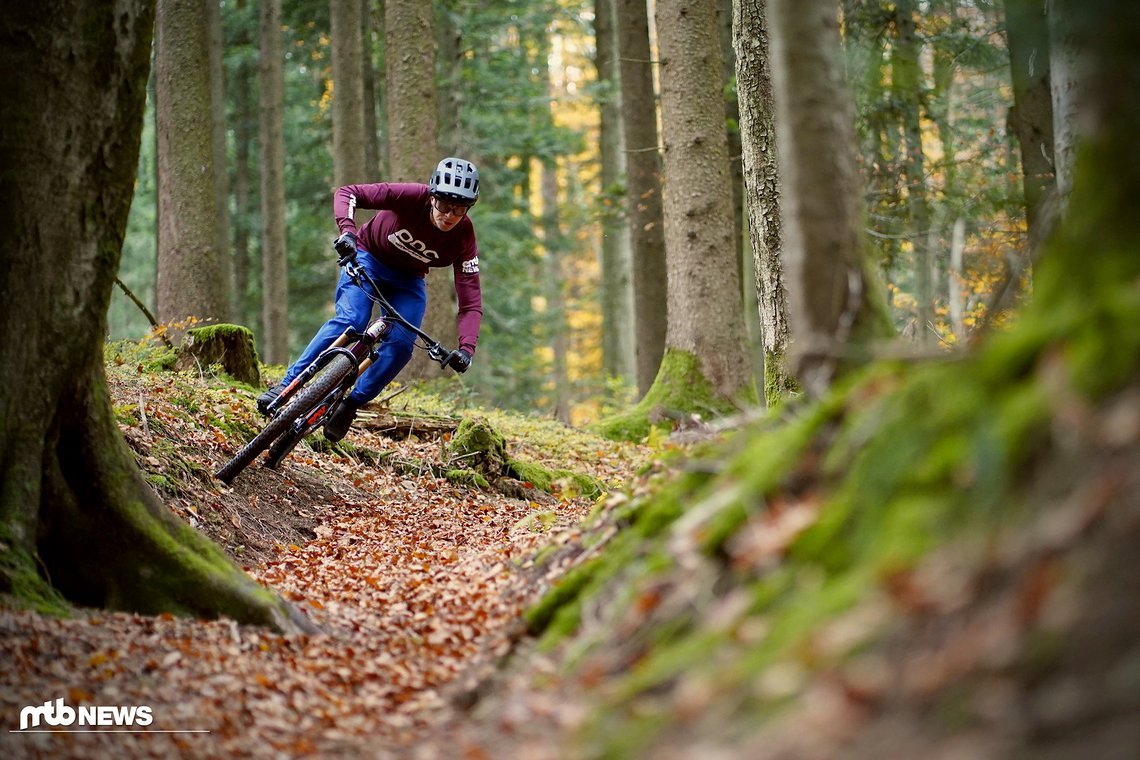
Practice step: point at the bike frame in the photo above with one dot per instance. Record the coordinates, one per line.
(290, 422)
(360, 347)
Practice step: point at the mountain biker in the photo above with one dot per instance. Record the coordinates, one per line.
(416, 227)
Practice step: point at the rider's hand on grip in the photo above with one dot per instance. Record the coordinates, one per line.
(345, 245)
(459, 360)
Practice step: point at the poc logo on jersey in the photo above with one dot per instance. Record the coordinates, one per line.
(403, 240)
(58, 713)
(471, 266)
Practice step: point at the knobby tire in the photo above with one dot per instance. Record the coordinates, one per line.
(328, 379)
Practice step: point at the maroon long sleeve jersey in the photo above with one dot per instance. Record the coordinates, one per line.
(402, 236)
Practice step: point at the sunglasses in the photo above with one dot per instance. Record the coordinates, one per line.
(449, 209)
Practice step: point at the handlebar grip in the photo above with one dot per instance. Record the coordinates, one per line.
(459, 360)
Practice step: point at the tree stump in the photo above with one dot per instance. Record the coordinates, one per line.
(478, 446)
(230, 346)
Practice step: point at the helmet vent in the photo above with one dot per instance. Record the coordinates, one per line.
(456, 180)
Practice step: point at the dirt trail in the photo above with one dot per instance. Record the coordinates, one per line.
(418, 593)
(418, 585)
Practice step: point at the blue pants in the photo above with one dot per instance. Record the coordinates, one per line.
(406, 292)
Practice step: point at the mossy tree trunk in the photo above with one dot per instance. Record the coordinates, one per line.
(192, 279)
(908, 80)
(643, 187)
(616, 257)
(1032, 114)
(832, 298)
(706, 314)
(245, 133)
(762, 182)
(1101, 53)
(76, 517)
(706, 368)
(223, 224)
(271, 138)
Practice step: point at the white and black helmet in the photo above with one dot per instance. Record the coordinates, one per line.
(455, 180)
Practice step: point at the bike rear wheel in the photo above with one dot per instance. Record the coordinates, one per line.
(326, 381)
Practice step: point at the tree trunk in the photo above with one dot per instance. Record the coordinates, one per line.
(618, 356)
(191, 280)
(762, 183)
(348, 93)
(413, 140)
(908, 87)
(274, 268)
(865, 37)
(449, 59)
(1027, 32)
(1087, 279)
(747, 267)
(827, 288)
(554, 277)
(643, 187)
(706, 316)
(732, 124)
(245, 133)
(1065, 79)
(213, 16)
(75, 513)
(371, 169)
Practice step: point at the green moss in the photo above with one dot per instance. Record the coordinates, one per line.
(559, 481)
(467, 478)
(478, 446)
(161, 483)
(191, 564)
(779, 384)
(127, 414)
(223, 330)
(680, 390)
(21, 585)
(634, 736)
(562, 621)
(223, 350)
(162, 360)
(562, 593)
(537, 522)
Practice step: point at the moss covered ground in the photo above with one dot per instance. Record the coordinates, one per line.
(743, 586)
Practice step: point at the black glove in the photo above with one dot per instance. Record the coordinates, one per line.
(345, 245)
(459, 360)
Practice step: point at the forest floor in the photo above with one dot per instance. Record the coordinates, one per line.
(417, 584)
(1016, 643)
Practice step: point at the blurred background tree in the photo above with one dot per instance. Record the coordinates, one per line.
(943, 162)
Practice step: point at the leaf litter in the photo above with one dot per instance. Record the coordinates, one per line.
(417, 584)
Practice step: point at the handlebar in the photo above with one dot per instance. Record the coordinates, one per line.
(445, 358)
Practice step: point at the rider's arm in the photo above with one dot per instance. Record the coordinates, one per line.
(469, 297)
(377, 195)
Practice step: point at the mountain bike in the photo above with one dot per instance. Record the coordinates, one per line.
(313, 397)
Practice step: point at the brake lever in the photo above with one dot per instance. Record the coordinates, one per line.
(438, 353)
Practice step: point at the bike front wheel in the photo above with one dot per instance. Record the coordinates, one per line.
(283, 446)
(328, 379)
